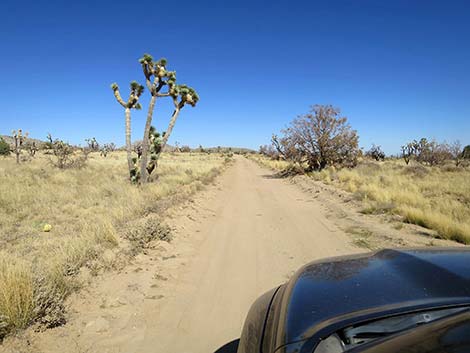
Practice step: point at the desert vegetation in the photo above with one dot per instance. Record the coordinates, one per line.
(427, 184)
(157, 77)
(316, 140)
(56, 223)
(65, 209)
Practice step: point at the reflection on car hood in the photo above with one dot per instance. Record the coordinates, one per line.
(389, 281)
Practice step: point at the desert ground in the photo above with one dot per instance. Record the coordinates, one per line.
(243, 234)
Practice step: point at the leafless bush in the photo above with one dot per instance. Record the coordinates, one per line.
(455, 149)
(269, 151)
(318, 139)
(431, 152)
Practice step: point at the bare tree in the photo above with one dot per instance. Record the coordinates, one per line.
(286, 148)
(321, 137)
(432, 152)
(269, 151)
(456, 151)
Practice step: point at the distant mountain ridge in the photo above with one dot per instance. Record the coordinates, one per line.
(9, 139)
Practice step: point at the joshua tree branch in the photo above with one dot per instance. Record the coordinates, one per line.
(119, 98)
(161, 83)
(174, 116)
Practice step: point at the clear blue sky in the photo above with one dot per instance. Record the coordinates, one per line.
(397, 69)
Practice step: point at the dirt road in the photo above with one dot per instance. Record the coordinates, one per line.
(237, 240)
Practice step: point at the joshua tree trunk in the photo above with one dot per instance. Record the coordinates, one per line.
(17, 151)
(145, 142)
(130, 164)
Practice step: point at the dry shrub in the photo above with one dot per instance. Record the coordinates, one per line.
(50, 290)
(150, 228)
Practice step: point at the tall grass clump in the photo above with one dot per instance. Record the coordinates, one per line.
(433, 197)
(16, 294)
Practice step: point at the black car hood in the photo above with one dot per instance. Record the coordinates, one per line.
(341, 290)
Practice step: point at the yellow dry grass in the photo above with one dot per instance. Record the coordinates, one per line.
(433, 197)
(86, 209)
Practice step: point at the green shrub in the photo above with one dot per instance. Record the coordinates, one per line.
(4, 147)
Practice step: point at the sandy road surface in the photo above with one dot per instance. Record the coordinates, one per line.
(239, 239)
(262, 231)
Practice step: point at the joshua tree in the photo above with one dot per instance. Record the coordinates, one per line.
(376, 153)
(157, 77)
(106, 148)
(31, 148)
(155, 144)
(132, 103)
(19, 138)
(93, 145)
(408, 151)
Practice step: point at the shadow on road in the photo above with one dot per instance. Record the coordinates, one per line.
(273, 176)
(230, 347)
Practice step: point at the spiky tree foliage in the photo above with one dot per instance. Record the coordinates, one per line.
(93, 144)
(154, 141)
(107, 148)
(132, 102)
(408, 151)
(19, 139)
(181, 95)
(155, 144)
(376, 153)
(157, 77)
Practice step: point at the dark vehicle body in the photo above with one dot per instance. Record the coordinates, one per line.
(414, 300)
